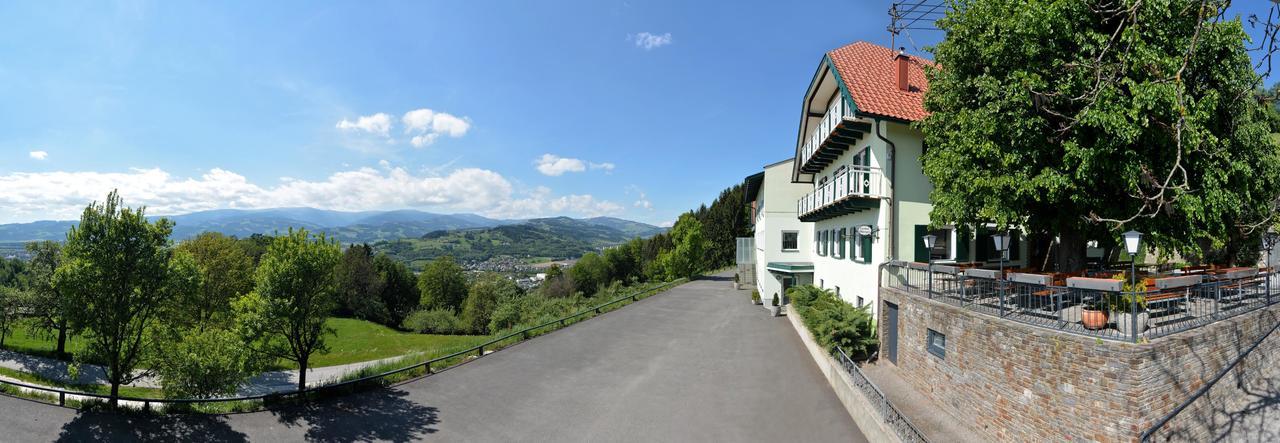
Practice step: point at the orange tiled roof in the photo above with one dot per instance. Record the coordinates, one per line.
(870, 73)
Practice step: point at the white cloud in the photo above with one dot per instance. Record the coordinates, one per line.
(648, 41)
(643, 202)
(38, 155)
(554, 165)
(429, 125)
(379, 124)
(667, 224)
(63, 195)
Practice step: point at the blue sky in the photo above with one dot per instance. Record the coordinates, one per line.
(635, 109)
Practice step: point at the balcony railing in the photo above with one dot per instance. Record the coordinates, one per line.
(836, 115)
(856, 182)
(1095, 307)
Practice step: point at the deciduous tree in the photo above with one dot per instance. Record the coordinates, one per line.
(284, 316)
(116, 272)
(1081, 119)
(443, 285)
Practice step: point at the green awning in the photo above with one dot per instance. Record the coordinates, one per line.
(791, 267)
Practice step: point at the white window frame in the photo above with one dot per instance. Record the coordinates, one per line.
(783, 239)
(951, 245)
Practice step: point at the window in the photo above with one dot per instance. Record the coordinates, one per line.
(790, 240)
(837, 291)
(822, 242)
(937, 344)
(840, 238)
(942, 246)
(860, 301)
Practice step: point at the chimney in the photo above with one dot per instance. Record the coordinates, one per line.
(903, 60)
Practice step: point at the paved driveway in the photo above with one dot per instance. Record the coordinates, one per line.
(696, 363)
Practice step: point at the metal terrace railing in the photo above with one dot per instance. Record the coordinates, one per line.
(853, 182)
(62, 397)
(1099, 307)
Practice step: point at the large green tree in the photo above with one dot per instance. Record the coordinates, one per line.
(590, 272)
(685, 259)
(443, 285)
(226, 273)
(284, 316)
(116, 272)
(399, 290)
(1083, 118)
(52, 311)
(360, 286)
(486, 293)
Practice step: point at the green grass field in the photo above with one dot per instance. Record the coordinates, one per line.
(359, 340)
(356, 341)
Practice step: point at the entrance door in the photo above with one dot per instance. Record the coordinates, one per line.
(891, 332)
(787, 283)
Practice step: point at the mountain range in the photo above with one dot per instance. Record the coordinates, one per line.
(346, 227)
(545, 238)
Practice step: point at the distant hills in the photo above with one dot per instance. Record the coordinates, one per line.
(348, 227)
(555, 238)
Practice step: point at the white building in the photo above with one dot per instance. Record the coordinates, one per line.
(782, 253)
(868, 199)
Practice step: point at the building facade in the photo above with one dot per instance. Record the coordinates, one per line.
(782, 255)
(868, 199)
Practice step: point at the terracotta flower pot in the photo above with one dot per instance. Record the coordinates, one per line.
(1093, 319)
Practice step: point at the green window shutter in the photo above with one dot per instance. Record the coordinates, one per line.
(962, 243)
(866, 249)
(984, 244)
(922, 254)
(1015, 244)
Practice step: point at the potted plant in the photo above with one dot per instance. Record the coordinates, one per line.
(1122, 304)
(1093, 314)
(776, 309)
(755, 297)
(736, 282)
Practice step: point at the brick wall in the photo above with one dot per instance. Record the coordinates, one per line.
(1015, 382)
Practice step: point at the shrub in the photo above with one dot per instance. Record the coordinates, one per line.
(529, 310)
(434, 321)
(755, 296)
(775, 299)
(484, 296)
(835, 322)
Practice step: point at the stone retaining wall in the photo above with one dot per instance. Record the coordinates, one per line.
(1016, 382)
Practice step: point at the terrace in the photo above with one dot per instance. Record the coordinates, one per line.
(1099, 304)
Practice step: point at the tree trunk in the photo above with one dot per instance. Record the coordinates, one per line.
(1071, 251)
(115, 394)
(62, 337)
(302, 374)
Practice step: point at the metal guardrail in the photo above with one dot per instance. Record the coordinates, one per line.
(478, 350)
(1204, 389)
(902, 426)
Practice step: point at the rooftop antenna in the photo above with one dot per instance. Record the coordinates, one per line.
(918, 15)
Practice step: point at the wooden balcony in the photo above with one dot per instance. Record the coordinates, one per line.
(837, 132)
(857, 189)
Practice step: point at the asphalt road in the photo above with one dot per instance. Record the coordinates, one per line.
(697, 363)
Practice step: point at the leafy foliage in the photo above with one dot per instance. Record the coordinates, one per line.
(559, 237)
(483, 298)
(1075, 120)
(399, 290)
(207, 363)
(116, 272)
(834, 322)
(435, 321)
(44, 300)
(360, 286)
(685, 260)
(443, 285)
(285, 315)
(590, 272)
(225, 273)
